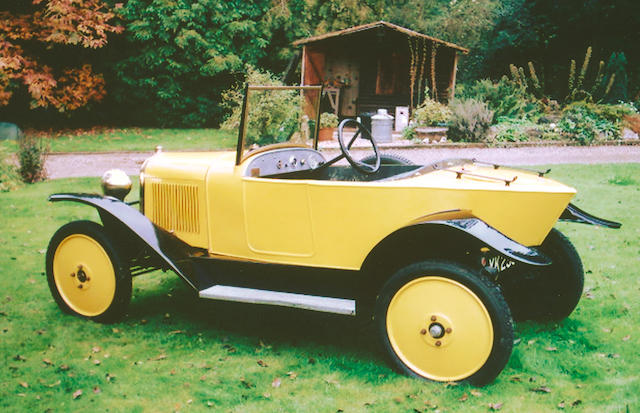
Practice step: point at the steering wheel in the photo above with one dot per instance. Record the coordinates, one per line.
(358, 165)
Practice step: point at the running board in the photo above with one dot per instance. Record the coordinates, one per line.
(308, 302)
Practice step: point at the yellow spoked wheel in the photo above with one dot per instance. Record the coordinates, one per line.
(440, 321)
(85, 273)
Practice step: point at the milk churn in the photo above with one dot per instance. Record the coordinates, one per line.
(382, 126)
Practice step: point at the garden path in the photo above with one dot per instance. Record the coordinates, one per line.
(94, 164)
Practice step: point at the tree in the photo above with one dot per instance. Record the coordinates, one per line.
(31, 38)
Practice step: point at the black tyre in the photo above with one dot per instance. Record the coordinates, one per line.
(85, 273)
(387, 159)
(441, 321)
(547, 293)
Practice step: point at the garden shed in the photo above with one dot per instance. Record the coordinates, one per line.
(379, 65)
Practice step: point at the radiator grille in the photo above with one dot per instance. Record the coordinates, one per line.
(175, 207)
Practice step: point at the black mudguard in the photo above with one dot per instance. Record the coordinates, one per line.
(574, 214)
(490, 236)
(168, 248)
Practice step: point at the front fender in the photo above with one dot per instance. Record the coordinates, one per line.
(168, 248)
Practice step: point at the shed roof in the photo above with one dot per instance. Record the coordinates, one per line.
(375, 25)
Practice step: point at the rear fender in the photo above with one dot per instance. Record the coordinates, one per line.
(167, 248)
(444, 235)
(486, 234)
(574, 214)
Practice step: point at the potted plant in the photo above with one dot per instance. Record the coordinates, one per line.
(328, 123)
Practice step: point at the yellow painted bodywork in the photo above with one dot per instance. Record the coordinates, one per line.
(335, 224)
(90, 296)
(461, 351)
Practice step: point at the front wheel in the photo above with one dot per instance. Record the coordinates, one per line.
(441, 321)
(85, 273)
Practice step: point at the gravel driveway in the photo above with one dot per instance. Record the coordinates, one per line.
(94, 164)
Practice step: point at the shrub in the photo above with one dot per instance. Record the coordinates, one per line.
(514, 130)
(32, 153)
(470, 121)
(409, 133)
(9, 178)
(431, 113)
(506, 98)
(586, 123)
(328, 120)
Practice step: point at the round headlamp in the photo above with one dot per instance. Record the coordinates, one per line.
(116, 183)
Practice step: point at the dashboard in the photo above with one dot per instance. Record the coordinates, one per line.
(279, 161)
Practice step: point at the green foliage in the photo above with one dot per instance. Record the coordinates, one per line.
(32, 153)
(328, 120)
(183, 54)
(586, 123)
(9, 178)
(273, 116)
(577, 88)
(619, 86)
(409, 133)
(505, 97)
(431, 113)
(513, 130)
(470, 121)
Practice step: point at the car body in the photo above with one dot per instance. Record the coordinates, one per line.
(439, 256)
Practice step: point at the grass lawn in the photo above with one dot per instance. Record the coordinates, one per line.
(176, 353)
(133, 139)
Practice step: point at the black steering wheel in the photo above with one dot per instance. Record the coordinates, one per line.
(358, 165)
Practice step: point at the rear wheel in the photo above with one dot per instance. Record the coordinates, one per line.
(440, 321)
(547, 293)
(85, 273)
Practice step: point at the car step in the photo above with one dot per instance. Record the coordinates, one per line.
(308, 302)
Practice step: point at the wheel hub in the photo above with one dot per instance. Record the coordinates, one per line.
(82, 276)
(436, 330)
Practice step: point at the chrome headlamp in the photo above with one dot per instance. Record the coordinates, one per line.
(116, 183)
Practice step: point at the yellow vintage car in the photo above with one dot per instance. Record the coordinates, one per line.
(440, 257)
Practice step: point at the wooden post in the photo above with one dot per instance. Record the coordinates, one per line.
(452, 81)
(302, 67)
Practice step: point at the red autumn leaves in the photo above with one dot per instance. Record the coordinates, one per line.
(83, 23)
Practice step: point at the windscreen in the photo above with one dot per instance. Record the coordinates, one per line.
(279, 115)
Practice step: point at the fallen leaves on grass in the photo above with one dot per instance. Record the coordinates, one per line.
(475, 393)
(551, 348)
(24, 384)
(96, 349)
(18, 357)
(262, 363)
(464, 398)
(47, 361)
(626, 338)
(541, 389)
(495, 406)
(292, 375)
(110, 377)
(97, 390)
(276, 382)
(247, 384)
(158, 357)
(77, 394)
